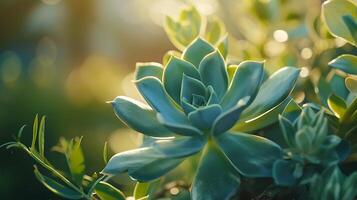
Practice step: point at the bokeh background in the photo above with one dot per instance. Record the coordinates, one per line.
(66, 58)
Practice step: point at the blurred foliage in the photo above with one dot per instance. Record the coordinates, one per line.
(66, 58)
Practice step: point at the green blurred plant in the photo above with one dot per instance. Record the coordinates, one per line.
(72, 185)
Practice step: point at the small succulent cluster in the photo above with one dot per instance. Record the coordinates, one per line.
(310, 148)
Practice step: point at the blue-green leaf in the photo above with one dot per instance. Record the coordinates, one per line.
(168, 113)
(251, 155)
(272, 92)
(304, 139)
(213, 72)
(346, 63)
(56, 187)
(288, 131)
(245, 82)
(173, 74)
(148, 69)
(108, 192)
(283, 172)
(216, 179)
(128, 110)
(196, 51)
(155, 160)
(204, 117)
(228, 118)
(190, 87)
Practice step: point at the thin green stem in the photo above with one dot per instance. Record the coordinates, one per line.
(54, 171)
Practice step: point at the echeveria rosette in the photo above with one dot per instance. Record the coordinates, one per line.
(309, 148)
(192, 106)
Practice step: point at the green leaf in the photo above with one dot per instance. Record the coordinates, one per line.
(190, 87)
(251, 155)
(56, 187)
(196, 51)
(204, 117)
(245, 82)
(351, 84)
(173, 73)
(41, 137)
(213, 72)
(215, 179)
(108, 192)
(272, 92)
(337, 105)
(346, 63)
(34, 133)
(75, 158)
(141, 190)
(349, 186)
(148, 69)
(168, 113)
(19, 133)
(222, 46)
(185, 29)
(351, 24)
(148, 163)
(263, 120)
(105, 152)
(333, 12)
(215, 31)
(128, 110)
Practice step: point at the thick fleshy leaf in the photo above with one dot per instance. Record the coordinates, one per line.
(267, 118)
(154, 93)
(288, 131)
(148, 69)
(204, 117)
(191, 86)
(251, 155)
(213, 99)
(216, 178)
(56, 187)
(151, 162)
(196, 51)
(351, 84)
(283, 172)
(168, 55)
(108, 192)
(213, 72)
(304, 139)
(173, 73)
(337, 105)
(346, 63)
(128, 110)
(215, 31)
(333, 13)
(272, 92)
(245, 82)
(227, 119)
(187, 106)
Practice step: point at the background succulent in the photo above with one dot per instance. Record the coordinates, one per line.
(337, 186)
(193, 103)
(310, 148)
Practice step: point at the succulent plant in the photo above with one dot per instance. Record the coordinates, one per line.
(336, 186)
(192, 105)
(309, 148)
